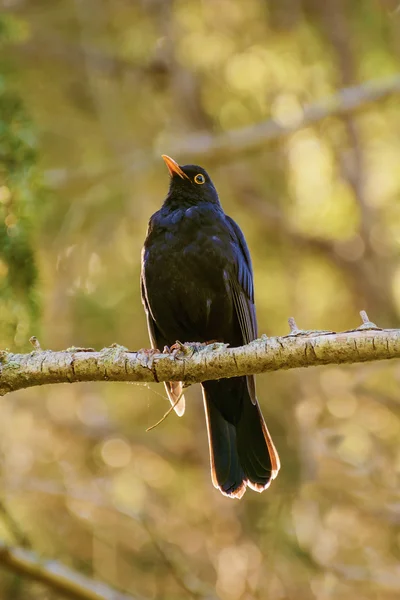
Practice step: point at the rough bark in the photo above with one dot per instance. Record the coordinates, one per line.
(193, 363)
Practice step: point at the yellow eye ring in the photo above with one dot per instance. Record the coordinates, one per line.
(200, 179)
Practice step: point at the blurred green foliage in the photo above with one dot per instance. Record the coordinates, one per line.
(20, 190)
(109, 87)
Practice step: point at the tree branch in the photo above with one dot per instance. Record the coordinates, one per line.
(226, 146)
(56, 576)
(193, 362)
(252, 138)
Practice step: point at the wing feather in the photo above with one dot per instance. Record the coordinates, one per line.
(173, 388)
(242, 287)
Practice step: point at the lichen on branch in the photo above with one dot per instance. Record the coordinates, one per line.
(193, 362)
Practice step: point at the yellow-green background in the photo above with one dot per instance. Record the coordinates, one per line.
(91, 93)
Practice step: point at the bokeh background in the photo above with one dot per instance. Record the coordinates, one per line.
(91, 93)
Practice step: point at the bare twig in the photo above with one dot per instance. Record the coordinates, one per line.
(196, 363)
(169, 411)
(35, 343)
(292, 325)
(364, 317)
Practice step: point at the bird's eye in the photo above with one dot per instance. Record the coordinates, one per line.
(200, 179)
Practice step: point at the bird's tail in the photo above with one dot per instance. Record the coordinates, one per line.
(242, 452)
(177, 399)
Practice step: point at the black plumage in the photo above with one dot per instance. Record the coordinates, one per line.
(197, 286)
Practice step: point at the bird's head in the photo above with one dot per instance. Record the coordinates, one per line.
(189, 184)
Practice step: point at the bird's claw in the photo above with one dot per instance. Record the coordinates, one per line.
(174, 349)
(179, 350)
(146, 356)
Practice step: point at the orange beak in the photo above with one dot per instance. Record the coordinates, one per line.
(173, 167)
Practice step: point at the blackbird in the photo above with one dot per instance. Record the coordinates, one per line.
(197, 285)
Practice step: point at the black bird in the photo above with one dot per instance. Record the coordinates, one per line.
(197, 286)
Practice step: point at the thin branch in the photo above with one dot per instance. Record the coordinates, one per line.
(225, 147)
(193, 362)
(253, 138)
(14, 527)
(193, 587)
(56, 576)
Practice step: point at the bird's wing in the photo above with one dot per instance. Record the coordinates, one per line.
(243, 294)
(173, 388)
(151, 326)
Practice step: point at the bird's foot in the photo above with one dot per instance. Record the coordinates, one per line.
(174, 349)
(178, 350)
(181, 351)
(146, 356)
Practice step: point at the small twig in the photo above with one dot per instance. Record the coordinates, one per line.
(35, 343)
(366, 323)
(365, 343)
(56, 576)
(292, 325)
(19, 535)
(169, 411)
(50, 488)
(364, 317)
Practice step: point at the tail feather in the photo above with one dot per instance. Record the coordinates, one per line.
(226, 472)
(241, 449)
(174, 391)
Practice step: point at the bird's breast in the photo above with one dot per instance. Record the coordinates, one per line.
(191, 238)
(186, 263)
